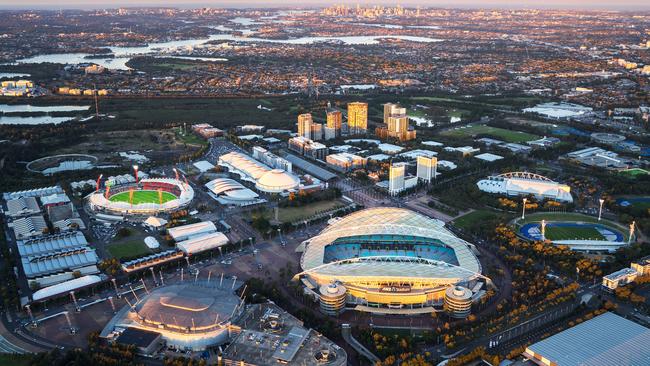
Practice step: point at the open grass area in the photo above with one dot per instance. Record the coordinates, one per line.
(142, 197)
(129, 249)
(635, 172)
(497, 133)
(469, 220)
(570, 233)
(190, 138)
(293, 214)
(558, 216)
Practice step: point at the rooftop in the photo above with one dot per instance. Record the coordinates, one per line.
(605, 340)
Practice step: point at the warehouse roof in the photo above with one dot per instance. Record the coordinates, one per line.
(605, 340)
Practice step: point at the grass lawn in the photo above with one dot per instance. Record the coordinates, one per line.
(293, 214)
(190, 138)
(129, 249)
(634, 172)
(14, 360)
(468, 220)
(143, 197)
(558, 216)
(569, 233)
(498, 133)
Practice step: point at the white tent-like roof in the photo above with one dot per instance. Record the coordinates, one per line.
(202, 243)
(65, 287)
(151, 242)
(155, 222)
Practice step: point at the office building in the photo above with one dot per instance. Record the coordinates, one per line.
(396, 124)
(334, 122)
(357, 117)
(396, 175)
(304, 125)
(307, 147)
(619, 278)
(427, 168)
(271, 159)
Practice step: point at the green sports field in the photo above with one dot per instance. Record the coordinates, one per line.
(497, 133)
(143, 197)
(571, 233)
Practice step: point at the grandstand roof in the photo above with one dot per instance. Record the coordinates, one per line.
(389, 221)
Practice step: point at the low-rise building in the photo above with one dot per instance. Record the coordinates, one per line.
(307, 147)
(345, 161)
(619, 278)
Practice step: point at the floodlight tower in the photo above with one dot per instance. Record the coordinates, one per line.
(135, 170)
(98, 182)
(176, 172)
(600, 208)
(632, 225)
(523, 208)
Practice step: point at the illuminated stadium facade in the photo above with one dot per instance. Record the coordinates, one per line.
(525, 183)
(190, 315)
(390, 261)
(147, 197)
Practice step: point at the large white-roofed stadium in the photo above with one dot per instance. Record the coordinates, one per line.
(390, 260)
(525, 183)
(146, 197)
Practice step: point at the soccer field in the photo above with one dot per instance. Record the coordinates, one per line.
(143, 197)
(573, 233)
(497, 133)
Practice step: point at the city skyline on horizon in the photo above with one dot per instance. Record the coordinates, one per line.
(627, 5)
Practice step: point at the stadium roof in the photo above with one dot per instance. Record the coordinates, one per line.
(605, 340)
(201, 243)
(389, 221)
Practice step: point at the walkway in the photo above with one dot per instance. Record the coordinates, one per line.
(346, 330)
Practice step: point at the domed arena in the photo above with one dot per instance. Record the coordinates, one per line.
(146, 197)
(190, 315)
(391, 261)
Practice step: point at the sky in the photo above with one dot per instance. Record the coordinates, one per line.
(517, 4)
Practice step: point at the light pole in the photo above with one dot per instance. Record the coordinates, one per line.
(523, 208)
(600, 208)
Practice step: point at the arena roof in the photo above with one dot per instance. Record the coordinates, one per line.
(22, 206)
(29, 226)
(524, 183)
(232, 189)
(265, 178)
(37, 192)
(605, 340)
(389, 221)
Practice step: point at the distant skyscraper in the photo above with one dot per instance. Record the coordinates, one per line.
(427, 168)
(304, 125)
(357, 117)
(396, 175)
(316, 131)
(334, 121)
